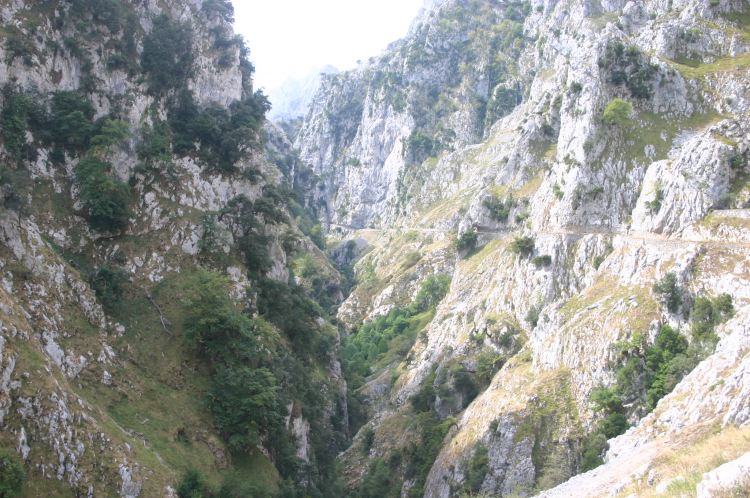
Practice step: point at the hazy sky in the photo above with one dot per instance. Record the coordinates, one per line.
(291, 37)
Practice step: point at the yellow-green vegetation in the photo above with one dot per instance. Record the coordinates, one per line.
(657, 131)
(550, 413)
(687, 457)
(476, 260)
(530, 188)
(715, 220)
(158, 402)
(600, 21)
(388, 338)
(721, 65)
(446, 208)
(617, 112)
(603, 296)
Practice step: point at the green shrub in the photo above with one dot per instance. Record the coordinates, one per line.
(617, 112)
(243, 398)
(71, 125)
(245, 404)
(532, 317)
(18, 45)
(502, 102)
(467, 241)
(221, 8)
(707, 313)
(499, 210)
(629, 66)
(167, 57)
(664, 361)
(379, 481)
(488, 364)
(224, 135)
(654, 205)
(420, 456)
(477, 469)
(434, 288)
(193, 485)
(108, 284)
(155, 148)
(12, 474)
(368, 438)
(110, 132)
(236, 485)
(20, 113)
(668, 292)
(419, 146)
(522, 246)
(542, 261)
(105, 199)
(593, 451)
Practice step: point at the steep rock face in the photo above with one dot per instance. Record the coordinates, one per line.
(576, 218)
(101, 395)
(432, 91)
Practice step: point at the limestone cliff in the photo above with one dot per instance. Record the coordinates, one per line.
(486, 146)
(132, 164)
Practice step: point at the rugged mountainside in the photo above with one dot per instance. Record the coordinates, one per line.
(150, 254)
(579, 170)
(532, 276)
(291, 99)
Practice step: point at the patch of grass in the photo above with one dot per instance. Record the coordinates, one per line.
(473, 262)
(657, 131)
(695, 453)
(722, 65)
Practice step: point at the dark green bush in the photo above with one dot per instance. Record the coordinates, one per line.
(224, 136)
(467, 241)
(245, 404)
(668, 292)
(477, 469)
(193, 485)
(419, 146)
(628, 66)
(499, 210)
(274, 302)
(20, 113)
(167, 57)
(379, 481)
(12, 474)
(236, 485)
(707, 313)
(108, 284)
(243, 397)
(109, 13)
(71, 125)
(424, 399)
(19, 45)
(221, 8)
(155, 148)
(532, 317)
(522, 246)
(368, 438)
(105, 199)
(434, 288)
(542, 261)
(109, 132)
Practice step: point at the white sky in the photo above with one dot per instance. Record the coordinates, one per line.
(289, 38)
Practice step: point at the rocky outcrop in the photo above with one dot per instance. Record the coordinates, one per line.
(84, 375)
(607, 208)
